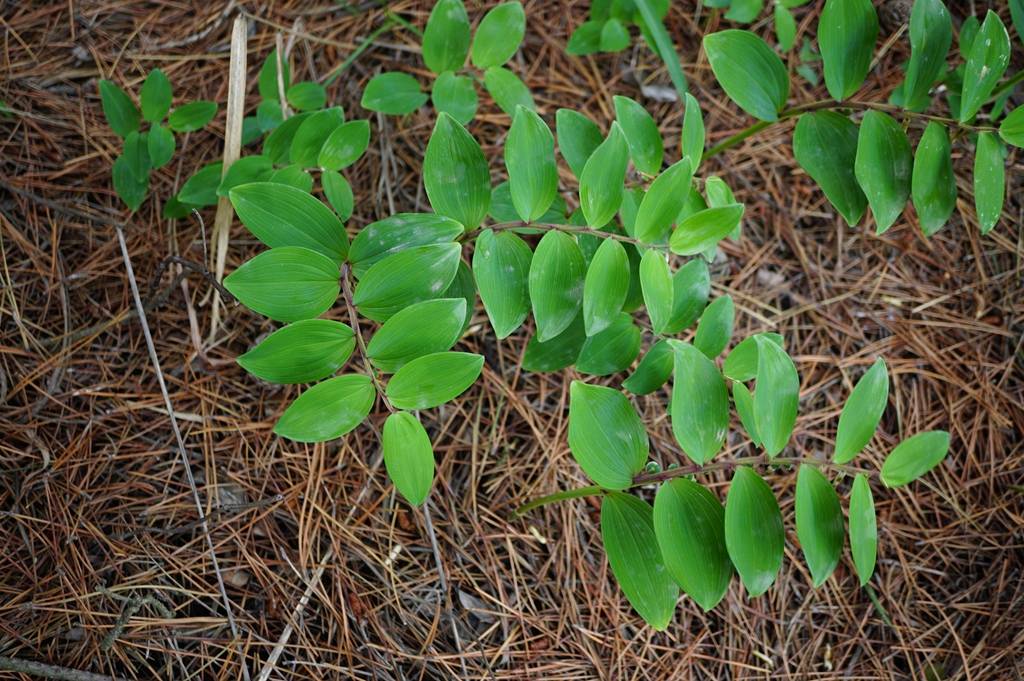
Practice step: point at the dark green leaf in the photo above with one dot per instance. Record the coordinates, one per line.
(406, 277)
(328, 410)
(700, 404)
(847, 31)
(530, 159)
(455, 95)
(715, 328)
(933, 185)
(399, 232)
(606, 286)
(121, 113)
(557, 353)
(986, 63)
(136, 153)
(507, 90)
(278, 144)
(556, 283)
(883, 165)
(501, 264)
(754, 534)
(201, 189)
(287, 284)
(446, 37)
(192, 116)
(498, 36)
(434, 379)
(653, 371)
(155, 96)
(255, 168)
(691, 286)
(423, 328)
(302, 352)
(160, 143)
(129, 185)
(408, 456)
(825, 145)
(455, 174)
(280, 215)
(819, 523)
(642, 135)
(989, 180)
(914, 457)
(931, 34)
(863, 528)
(862, 412)
(344, 145)
(394, 93)
(776, 395)
(601, 181)
(606, 436)
(611, 350)
(749, 71)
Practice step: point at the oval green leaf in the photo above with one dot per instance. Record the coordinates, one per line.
(434, 379)
(883, 165)
(281, 215)
(754, 535)
(825, 145)
(914, 457)
(344, 145)
(606, 436)
(501, 265)
(989, 180)
(776, 395)
(498, 36)
(862, 412)
(933, 184)
(556, 283)
(863, 529)
(819, 523)
(662, 203)
(328, 410)
(601, 182)
(530, 159)
(407, 277)
(423, 328)
(847, 31)
(578, 137)
(642, 135)
(986, 62)
(301, 352)
(606, 286)
(704, 229)
(286, 284)
(700, 404)
(749, 71)
(446, 37)
(715, 328)
(408, 456)
(455, 174)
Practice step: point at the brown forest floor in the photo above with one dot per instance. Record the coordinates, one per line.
(97, 523)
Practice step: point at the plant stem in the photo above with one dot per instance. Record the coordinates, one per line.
(573, 229)
(353, 318)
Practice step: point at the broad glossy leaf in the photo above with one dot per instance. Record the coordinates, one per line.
(446, 37)
(278, 144)
(989, 180)
(280, 215)
(741, 363)
(931, 34)
(556, 283)
(847, 31)
(344, 145)
(530, 159)
(310, 137)
(121, 113)
(306, 96)
(754, 534)
(1012, 128)
(653, 371)
(602, 179)
(192, 116)
(557, 353)
(408, 456)
(819, 523)
(863, 528)
(611, 350)
(255, 168)
(578, 137)
(606, 286)
(862, 412)
(421, 329)
(656, 284)
(501, 265)
(689, 523)
(268, 81)
(455, 95)
(455, 174)
(700, 404)
(663, 202)
(393, 93)
(328, 410)
(160, 142)
(507, 90)
(338, 193)
(986, 63)
(693, 132)
(749, 71)
(914, 457)
(498, 36)
(397, 233)
(744, 402)
(704, 229)
(627, 532)
(409, 276)
(433, 379)
(776, 395)
(301, 352)
(642, 135)
(155, 96)
(715, 328)
(287, 284)
(691, 287)
(606, 436)
(825, 145)
(883, 166)
(933, 185)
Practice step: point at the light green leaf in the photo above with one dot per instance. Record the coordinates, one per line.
(421, 329)
(301, 352)
(192, 116)
(201, 188)
(627, 532)
(268, 85)
(606, 436)
(310, 137)
(614, 36)
(662, 203)
(883, 166)
(914, 457)
(642, 135)
(293, 176)
(744, 402)
(704, 229)
(819, 523)
(344, 145)
(691, 286)
(530, 159)
(863, 528)
(862, 412)
(986, 63)
(653, 371)
(338, 193)
(749, 71)
(255, 168)
(306, 96)
(455, 95)
(715, 328)
(578, 137)
(611, 350)
(776, 395)
(689, 523)
(754, 534)
(328, 410)
(498, 36)
(278, 144)
(446, 37)
(121, 113)
(933, 184)
(601, 181)
(656, 284)
(847, 31)
(455, 174)
(785, 28)
(744, 11)
(1012, 128)
(989, 180)
(556, 283)
(155, 96)
(700, 404)
(406, 277)
(434, 379)
(286, 284)
(825, 145)
(501, 265)
(280, 215)
(507, 90)
(741, 364)
(606, 286)
(931, 34)
(395, 94)
(408, 456)
(160, 143)
(385, 237)
(586, 39)
(693, 133)
(557, 353)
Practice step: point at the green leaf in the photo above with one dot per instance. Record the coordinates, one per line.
(931, 34)
(310, 137)
(863, 528)
(614, 36)
(344, 145)
(989, 180)
(286, 284)
(433, 379)
(776, 395)
(278, 144)
(406, 277)
(627, 532)
(293, 176)
(423, 328)
(328, 410)
(862, 412)
(785, 28)
(455, 95)
(501, 265)
(556, 353)
(693, 133)
(754, 534)
(455, 174)
(268, 117)
(651, 19)
(715, 328)
(883, 165)
(395, 94)
(914, 457)
(744, 11)
(819, 523)
(662, 203)
(255, 168)
(408, 456)
(578, 137)
(306, 96)
(653, 371)
(586, 39)
(847, 31)
(611, 350)
(338, 193)
(280, 215)
(601, 181)
(136, 153)
(385, 237)
(192, 116)
(700, 404)
(642, 135)
(446, 37)
(530, 159)
(933, 184)
(749, 71)
(656, 284)
(825, 145)
(744, 402)
(704, 229)
(121, 113)
(741, 364)
(268, 85)
(507, 90)
(606, 286)
(606, 436)
(160, 146)
(498, 36)
(1012, 128)
(155, 96)
(556, 283)
(691, 286)
(302, 352)
(463, 286)
(201, 188)
(129, 185)
(986, 63)
(689, 523)
(1017, 16)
